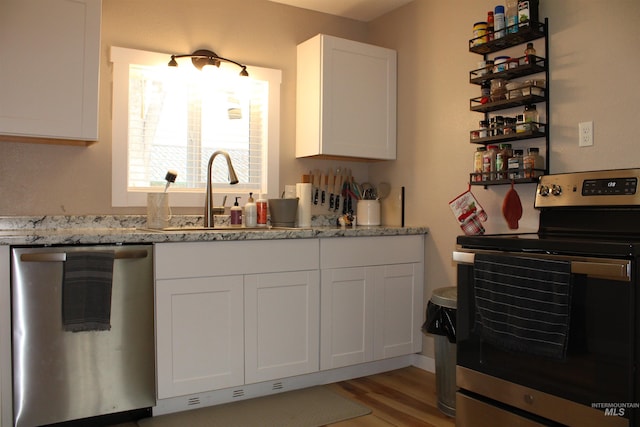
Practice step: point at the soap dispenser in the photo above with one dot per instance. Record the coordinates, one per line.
(261, 207)
(250, 212)
(236, 214)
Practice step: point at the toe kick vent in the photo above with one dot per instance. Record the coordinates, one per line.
(193, 401)
(277, 386)
(238, 393)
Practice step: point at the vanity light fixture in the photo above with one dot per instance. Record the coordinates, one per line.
(203, 57)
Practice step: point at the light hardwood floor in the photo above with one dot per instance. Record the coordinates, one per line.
(402, 398)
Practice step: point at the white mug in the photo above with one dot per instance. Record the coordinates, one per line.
(158, 211)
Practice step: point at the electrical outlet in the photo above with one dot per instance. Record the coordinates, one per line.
(585, 134)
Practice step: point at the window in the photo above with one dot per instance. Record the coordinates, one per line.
(174, 118)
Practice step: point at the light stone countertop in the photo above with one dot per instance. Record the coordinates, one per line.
(110, 229)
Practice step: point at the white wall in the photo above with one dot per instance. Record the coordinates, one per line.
(593, 69)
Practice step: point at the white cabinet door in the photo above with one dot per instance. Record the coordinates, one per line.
(371, 298)
(50, 68)
(347, 303)
(281, 324)
(398, 310)
(199, 328)
(370, 313)
(346, 99)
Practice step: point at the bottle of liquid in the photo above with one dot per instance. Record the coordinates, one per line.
(236, 214)
(498, 22)
(250, 212)
(529, 51)
(532, 163)
(511, 16)
(477, 163)
(261, 208)
(490, 23)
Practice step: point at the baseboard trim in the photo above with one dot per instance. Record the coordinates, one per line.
(248, 391)
(424, 362)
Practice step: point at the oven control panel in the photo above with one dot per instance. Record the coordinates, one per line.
(596, 188)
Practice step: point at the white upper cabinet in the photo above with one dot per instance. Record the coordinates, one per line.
(50, 52)
(346, 99)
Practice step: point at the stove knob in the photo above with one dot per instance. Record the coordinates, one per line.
(556, 190)
(544, 190)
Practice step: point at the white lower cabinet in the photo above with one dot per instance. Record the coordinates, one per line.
(242, 312)
(347, 301)
(200, 334)
(281, 325)
(233, 313)
(371, 300)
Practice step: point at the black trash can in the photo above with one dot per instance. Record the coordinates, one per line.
(441, 321)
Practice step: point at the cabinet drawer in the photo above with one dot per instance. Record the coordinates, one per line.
(198, 259)
(365, 251)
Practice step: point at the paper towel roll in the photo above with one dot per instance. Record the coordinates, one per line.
(290, 192)
(303, 192)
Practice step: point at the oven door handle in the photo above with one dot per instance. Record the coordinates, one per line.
(614, 269)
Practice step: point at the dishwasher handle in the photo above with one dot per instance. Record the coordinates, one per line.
(614, 269)
(62, 256)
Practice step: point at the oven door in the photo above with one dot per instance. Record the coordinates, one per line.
(593, 385)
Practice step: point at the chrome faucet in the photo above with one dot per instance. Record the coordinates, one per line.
(208, 200)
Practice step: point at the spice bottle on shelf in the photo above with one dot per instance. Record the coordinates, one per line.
(496, 125)
(498, 22)
(490, 25)
(479, 33)
(515, 164)
(477, 163)
(484, 129)
(527, 12)
(520, 126)
(511, 16)
(509, 125)
(502, 161)
(532, 163)
(485, 92)
(529, 51)
(489, 163)
(531, 118)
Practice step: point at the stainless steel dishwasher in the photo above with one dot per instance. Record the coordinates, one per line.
(60, 375)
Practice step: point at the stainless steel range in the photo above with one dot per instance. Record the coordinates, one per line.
(548, 322)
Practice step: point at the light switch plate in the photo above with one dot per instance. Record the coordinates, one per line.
(585, 134)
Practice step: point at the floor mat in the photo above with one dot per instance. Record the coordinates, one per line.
(310, 407)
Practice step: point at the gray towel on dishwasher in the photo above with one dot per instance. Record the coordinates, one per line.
(523, 303)
(86, 291)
